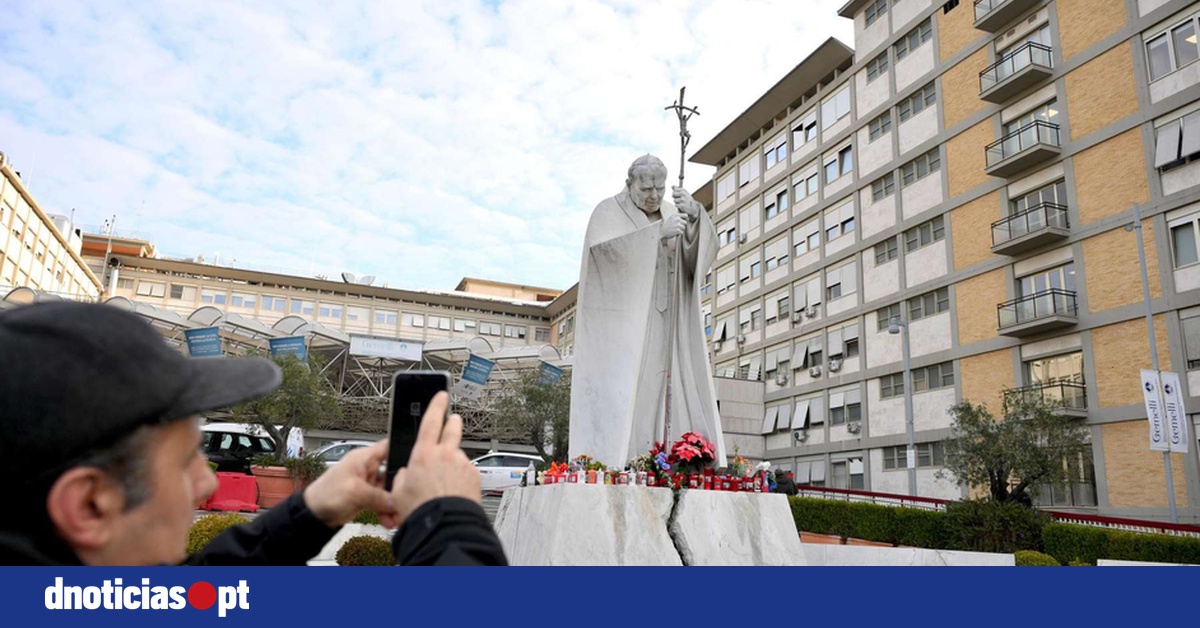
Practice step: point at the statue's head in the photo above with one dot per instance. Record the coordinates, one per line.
(647, 182)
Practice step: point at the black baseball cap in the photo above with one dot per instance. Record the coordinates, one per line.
(76, 378)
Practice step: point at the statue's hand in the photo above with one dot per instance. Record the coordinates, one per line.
(685, 202)
(671, 226)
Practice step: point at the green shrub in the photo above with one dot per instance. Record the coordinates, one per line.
(871, 522)
(208, 527)
(1083, 544)
(986, 525)
(305, 468)
(1030, 558)
(367, 517)
(820, 516)
(365, 551)
(921, 528)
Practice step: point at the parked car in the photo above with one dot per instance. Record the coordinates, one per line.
(332, 453)
(233, 445)
(503, 470)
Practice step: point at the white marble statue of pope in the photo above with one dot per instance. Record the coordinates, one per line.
(627, 296)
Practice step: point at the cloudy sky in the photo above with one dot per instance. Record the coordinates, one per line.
(417, 141)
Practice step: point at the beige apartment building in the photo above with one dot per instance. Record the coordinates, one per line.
(39, 252)
(970, 168)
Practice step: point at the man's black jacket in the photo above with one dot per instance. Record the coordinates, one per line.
(447, 531)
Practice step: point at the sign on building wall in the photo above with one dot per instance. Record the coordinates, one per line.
(203, 342)
(549, 375)
(390, 348)
(1154, 413)
(1173, 412)
(474, 377)
(293, 345)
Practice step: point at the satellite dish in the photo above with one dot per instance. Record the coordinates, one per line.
(348, 277)
(368, 280)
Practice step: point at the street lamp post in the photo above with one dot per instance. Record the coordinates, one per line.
(895, 328)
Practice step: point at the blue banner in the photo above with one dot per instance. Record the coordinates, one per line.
(204, 342)
(478, 370)
(294, 345)
(302, 596)
(550, 375)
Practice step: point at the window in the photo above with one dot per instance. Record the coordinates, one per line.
(513, 331)
(439, 322)
(847, 473)
(243, 300)
(808, 353)
(490, 329)
(725, 187)
(726, 279)
(1067, 367)
(1054, 193)
(914, 39)
(807, 293)
(932, 377)
(750, 319)
(880, 126)
(727, 232)
(843, 341)
(776, 253)
(1183, 241)
(270, 303)
(777, 152)
(927, 455)
(921, 167)
(153, 289)
(1177, 142)
(924, 234)
(886, 251)
(929, 304)
(749, 218)
(750, 267)
(778, 307)
(884, 316)
(385, 317)
(918, 102)
(330, 310)
(541, 334)
(1191, 341)
(845, 406)
(216, 297)
(357, 314)
(805, 131)
(839, 221)
(835, 108)
(183, 293)
(839, 165)
(807, 237)
(305, 308)
(806, 185)
(891, 385)
(1172, 49)
(748, 171)
(877, 66)
(465, 324)
(883, 187)
(779, 360)
(1058, 278)
(841, 281)
(876, 10)
(414, 320)
(1014, 141)
(706, 289)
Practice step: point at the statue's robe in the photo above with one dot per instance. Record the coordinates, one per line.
(621, 335)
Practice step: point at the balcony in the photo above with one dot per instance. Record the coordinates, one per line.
(1037, 313)
(1070, 397)
(1028, 146)
(1035, 227)
(993, 15)
(1016, 72)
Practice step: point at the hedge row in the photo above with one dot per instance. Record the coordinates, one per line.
(987, 526)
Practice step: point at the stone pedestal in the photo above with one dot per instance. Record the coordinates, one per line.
(586, 524)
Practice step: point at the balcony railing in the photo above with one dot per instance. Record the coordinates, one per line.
(992, 15)
(1068, 395)
(1030, 228)
(1015, 72)
(1037, 312)
(1022, 149)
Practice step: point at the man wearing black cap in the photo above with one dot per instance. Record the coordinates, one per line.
(99, 432)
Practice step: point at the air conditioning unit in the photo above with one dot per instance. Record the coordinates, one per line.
(854, 427)
(717, 347)
(811, 311)
(741, 339)
(835, 366)
(781, 379)
(797, 317)
(742, 239)
(800, 435)
(814, 371)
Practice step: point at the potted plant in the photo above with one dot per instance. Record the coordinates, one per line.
(277, 481)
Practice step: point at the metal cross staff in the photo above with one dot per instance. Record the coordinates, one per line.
(684, 138)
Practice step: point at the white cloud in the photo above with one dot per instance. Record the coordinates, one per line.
(416, 141)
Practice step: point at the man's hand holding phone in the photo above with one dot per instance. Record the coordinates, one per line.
(436, 468)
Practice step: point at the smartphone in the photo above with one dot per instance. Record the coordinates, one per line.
(411, 393)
